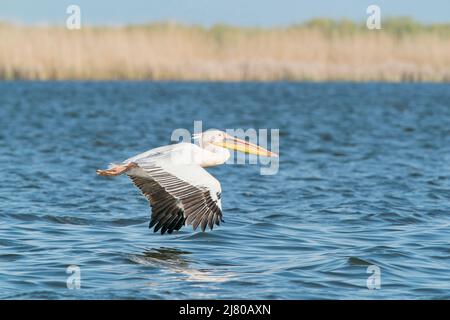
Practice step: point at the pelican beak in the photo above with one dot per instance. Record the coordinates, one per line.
(237, 144)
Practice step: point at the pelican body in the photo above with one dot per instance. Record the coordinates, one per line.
(173, 180)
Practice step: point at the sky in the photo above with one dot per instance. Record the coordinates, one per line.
(263, 13)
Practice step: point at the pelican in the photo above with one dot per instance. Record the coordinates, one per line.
(173, 180)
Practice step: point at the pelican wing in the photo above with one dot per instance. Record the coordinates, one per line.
(178, 195)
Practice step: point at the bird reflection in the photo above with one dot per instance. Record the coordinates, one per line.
(175, 260)
(166, 256)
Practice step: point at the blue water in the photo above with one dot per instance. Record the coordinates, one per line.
(364, 179)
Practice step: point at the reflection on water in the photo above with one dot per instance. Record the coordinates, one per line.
(174, 260)
(171, 258)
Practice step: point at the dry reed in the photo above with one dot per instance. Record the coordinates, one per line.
(317, 51)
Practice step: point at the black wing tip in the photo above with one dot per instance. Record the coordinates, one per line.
(169, 226)
(172, 226)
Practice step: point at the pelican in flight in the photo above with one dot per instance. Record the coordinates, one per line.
(173, 180)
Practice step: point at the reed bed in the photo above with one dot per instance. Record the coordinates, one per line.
(319, 50)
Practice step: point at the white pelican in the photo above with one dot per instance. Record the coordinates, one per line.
(172, 178)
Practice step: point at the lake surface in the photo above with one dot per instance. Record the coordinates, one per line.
(363, 185)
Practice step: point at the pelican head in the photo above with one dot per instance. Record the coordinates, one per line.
(222, 139)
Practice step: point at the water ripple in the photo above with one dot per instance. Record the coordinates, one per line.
(363, 180)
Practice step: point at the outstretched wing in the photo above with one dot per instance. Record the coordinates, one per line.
(179, 194)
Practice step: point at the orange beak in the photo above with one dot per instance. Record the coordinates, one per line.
(237, 144)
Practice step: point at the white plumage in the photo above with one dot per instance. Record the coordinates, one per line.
(172, 178)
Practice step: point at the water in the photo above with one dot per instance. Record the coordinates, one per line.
(364, 179)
